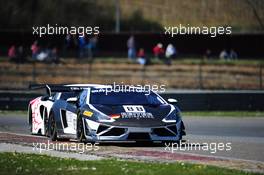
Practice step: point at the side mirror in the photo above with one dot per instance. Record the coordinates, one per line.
(45, 98)
(72, 99)
(172, 100)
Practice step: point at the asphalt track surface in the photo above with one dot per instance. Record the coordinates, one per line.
(245, 135)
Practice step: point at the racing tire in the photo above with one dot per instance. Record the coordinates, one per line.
(53, 128)
(30, 118)
(46, 123)
(182, 130)
(80, 129)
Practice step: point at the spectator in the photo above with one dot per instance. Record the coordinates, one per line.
(131, 47)
(35, 50)
(233, 54)
(158, 51)
(224, 55)
(68, 41)
(12, 53)
(75, 41)
(82, 44)
(20, 54)
(208, 54)
(67, 44)
(54, 55)
(43, 55)
(141, 56)
(170, 51)
(91, 46)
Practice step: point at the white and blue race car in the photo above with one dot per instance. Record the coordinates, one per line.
(96, 113)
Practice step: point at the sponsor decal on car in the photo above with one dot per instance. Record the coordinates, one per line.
(88, 113)
(135, 111)
(36, 118)
(136, 115)
(134, 108)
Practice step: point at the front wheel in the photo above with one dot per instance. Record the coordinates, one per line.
(80, 129)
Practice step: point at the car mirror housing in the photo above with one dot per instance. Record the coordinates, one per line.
(172, 100)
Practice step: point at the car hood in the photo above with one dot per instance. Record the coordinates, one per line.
(136, 115)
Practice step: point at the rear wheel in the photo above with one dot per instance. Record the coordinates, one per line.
(30, 118)
(46, 123)
(80, 129)
(53, 128)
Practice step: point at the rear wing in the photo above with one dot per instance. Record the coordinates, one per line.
(56, 88)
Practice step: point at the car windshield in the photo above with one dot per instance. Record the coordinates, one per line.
(125, 98)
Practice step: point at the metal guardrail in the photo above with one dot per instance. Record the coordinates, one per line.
(188, 100)
(244, 100)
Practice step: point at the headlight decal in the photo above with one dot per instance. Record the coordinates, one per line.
(115, 116)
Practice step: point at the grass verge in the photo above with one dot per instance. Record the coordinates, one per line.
(19, 163)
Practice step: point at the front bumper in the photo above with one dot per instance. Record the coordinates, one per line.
(95, 131)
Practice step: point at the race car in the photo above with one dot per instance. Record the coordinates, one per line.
(97, 113)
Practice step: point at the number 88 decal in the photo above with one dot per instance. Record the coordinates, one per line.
(133, 108)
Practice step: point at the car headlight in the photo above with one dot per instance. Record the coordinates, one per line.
(173, 117)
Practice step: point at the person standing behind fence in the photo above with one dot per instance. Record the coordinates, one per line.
(224, 55)
(170, 53)
(82, 43)
(141, 57)
(12, 53)
(21, 54)
(131, 45)
(158, 51)
(233, 54)
(67, 45)
(34, 49)
(91, 46)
